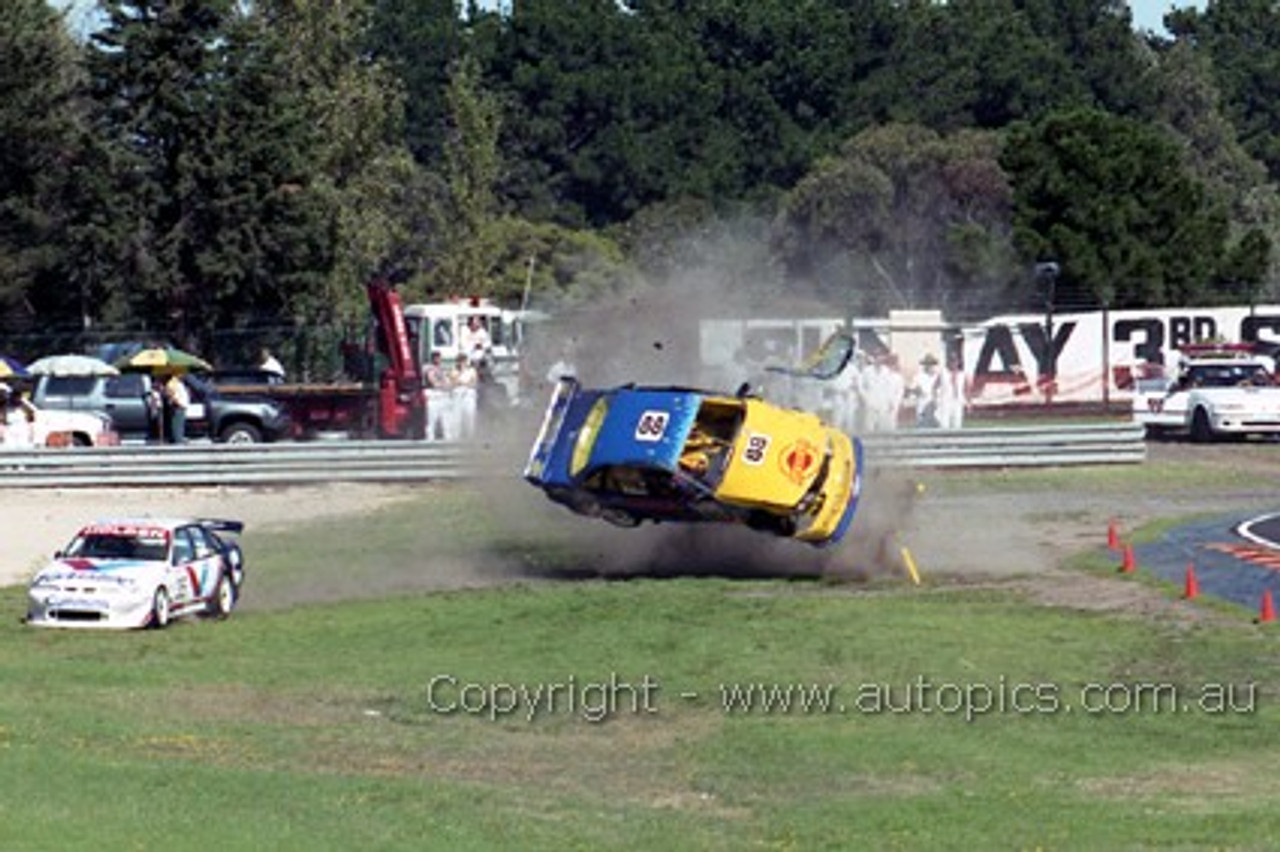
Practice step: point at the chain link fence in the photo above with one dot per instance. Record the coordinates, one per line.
(308, 353)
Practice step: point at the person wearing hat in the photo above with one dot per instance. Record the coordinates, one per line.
(925, 388)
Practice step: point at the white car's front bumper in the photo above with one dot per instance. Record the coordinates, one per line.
(118, 608)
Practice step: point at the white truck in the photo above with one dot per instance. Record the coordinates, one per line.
(26, 426)
(447, 327)
(1217, 392)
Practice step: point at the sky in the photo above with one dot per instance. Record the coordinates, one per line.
(1146, 13)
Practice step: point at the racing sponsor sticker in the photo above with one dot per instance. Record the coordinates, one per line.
(651, 426)
(799, 460)
(756, 448)
(127, 530)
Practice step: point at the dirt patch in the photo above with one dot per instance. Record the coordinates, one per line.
(38, 522)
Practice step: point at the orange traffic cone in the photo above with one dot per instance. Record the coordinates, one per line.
(1192, 589)
(1113, 535)
(1268, 612)
(1128, 564)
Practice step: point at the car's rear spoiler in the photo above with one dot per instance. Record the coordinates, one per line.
(217, 525)
(552, 420)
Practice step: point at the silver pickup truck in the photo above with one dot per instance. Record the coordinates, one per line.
(234, 420)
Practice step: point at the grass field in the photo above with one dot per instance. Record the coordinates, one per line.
(958, 716)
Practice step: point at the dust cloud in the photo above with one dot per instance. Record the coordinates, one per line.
(649, 335)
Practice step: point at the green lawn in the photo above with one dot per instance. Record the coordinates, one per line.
(370, 724)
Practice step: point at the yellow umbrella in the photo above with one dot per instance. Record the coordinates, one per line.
(164, 360)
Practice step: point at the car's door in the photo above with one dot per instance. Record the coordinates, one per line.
(124, 398)
(203, 563)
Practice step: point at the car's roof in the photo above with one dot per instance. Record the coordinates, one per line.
(142, 521)
(621, 440)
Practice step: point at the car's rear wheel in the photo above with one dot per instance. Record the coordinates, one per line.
(1201, 431)
(620, 518)
(240, 433)
(224, 598)
(160, 609)
(584, 505)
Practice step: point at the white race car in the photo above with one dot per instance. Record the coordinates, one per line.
(139, 572)
(1216, 394)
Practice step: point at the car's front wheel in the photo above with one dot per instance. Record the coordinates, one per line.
(1201, 430)
(160, 609)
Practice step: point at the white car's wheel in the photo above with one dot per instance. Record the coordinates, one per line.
(1201, 429)
(160, 611)
(224, 598)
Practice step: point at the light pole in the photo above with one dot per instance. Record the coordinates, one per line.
(1047, 273)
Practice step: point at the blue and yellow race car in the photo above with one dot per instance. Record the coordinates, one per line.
(631, 454)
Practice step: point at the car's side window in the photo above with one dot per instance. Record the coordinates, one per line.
(127, 386)
(443, 333)
(183, 549)
(200, 539)
(69, 385)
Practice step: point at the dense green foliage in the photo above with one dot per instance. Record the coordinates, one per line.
(199, 165)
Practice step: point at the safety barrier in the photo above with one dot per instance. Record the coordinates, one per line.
(409, 461)
(1010, 446)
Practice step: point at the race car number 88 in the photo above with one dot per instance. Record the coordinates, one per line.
(754, 451)
(651, 426)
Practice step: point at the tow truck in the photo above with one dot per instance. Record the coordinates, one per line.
(441, 327)
(386, 401)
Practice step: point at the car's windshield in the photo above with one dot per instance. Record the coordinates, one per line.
(1225, 375)
(108, 544)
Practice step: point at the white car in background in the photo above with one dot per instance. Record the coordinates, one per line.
(140, 572)
(1218, 393)
(27, 426)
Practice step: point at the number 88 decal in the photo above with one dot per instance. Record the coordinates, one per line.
(651, 426)
(755, 450)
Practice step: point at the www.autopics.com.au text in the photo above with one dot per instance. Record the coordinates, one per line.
(596, 700)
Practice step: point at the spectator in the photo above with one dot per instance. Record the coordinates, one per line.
(267, 363)
(439, 400)
(952, 398)
(882, 392)
(846, 408)
(179, 398)
(156, 413)
(464, 381)
(474, 340)
(926, 388)
(15, 420)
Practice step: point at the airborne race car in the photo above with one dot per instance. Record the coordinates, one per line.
(139, 572)
(1220, 391)
(631, 454)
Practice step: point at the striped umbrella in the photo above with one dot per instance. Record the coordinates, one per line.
(12, 368)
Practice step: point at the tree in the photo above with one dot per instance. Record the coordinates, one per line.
(903, 217)
(471, 169)
(1191, 106)
(1108, 199)
(155, 79)
(39, 136)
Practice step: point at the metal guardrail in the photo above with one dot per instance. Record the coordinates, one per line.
(1012, 446)
(409, 461)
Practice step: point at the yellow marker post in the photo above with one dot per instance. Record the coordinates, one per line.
(911, 565)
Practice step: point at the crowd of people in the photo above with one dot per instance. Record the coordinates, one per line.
(452, 398)
(872, 395)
